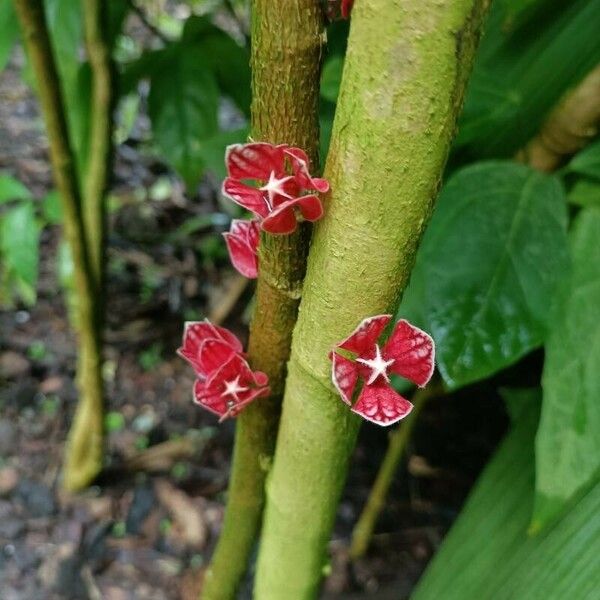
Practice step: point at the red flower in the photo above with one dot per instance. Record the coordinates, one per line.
(206, 346)
(345, 8)
(283, 173)
(242, 243)
(408, 352)
(230, 388)
(339, 8)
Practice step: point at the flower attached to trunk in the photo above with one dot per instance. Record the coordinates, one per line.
(206, 346)
(336, 9)
(231, 388)
(225, 383)
(408, 352)
(285, 190)
(242, 243)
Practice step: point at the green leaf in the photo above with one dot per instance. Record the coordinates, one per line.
(9, 30)
(331, 78)
(229, 62)
(52, 208)
(521, 72)
(12, 189)
(213, 152)
(19, 243)
(488, 553)
(183, 105)
(568, 440)
(489, 262)
(585, 192)
(587, 162)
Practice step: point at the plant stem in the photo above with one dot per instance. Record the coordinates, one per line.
(286, 52)
(82, 462)
(404, 77)
(399, 438)
(85, 453)
(572, 124)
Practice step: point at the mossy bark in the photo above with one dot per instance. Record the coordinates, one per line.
(287, 36)
(402, 88)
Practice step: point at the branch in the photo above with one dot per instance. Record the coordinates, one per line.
(286, 52)
(404, 78)
(570, 127)
(84, 452)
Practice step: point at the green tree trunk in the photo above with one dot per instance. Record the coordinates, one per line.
(403, 83)
(286, 52)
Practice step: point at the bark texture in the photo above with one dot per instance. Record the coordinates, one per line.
(287, 36)
(402, 88)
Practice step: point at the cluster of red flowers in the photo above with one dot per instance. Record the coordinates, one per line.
(285, 192)
(225, 382)
(361, 366)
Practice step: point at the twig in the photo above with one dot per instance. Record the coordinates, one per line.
(570, 127)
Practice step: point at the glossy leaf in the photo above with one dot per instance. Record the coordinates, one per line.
(488, 553)
(587, 162)
(521, 72)
(489, 262)
(183, 105)
(331, 78)
(568, 441)
(585, 192)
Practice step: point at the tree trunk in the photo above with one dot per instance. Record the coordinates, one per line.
(286, 53)
(403, 83)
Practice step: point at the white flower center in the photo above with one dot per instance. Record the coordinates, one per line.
(233, 388)
(275, 186)
(377, 365)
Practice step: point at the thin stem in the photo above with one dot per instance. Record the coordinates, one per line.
(286, 53)
(398, 442)
(572, 124)
(84, 456)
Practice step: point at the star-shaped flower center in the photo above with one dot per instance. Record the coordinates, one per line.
(275, 186)
(233, 388)
(377, 364)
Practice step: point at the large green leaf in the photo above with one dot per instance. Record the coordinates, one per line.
(9, 30)
(229, 61)
(488, 553)
(523, 68)
(19, 242)
(568, 441)
(585, 192)
(587, 162)
(183, 106)
(12, 189)
(488, 265)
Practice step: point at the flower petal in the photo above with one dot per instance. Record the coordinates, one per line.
(209, 399)
(310, 207)
(281, 221)
(344, 374)
(242, 244)
(300, 166)
(381, 405)
(255, 160)
(365, 336)
(246, 196)
(413, 351)
(213, 355)
(346, 8)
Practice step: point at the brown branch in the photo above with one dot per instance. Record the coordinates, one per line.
(571, 126)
